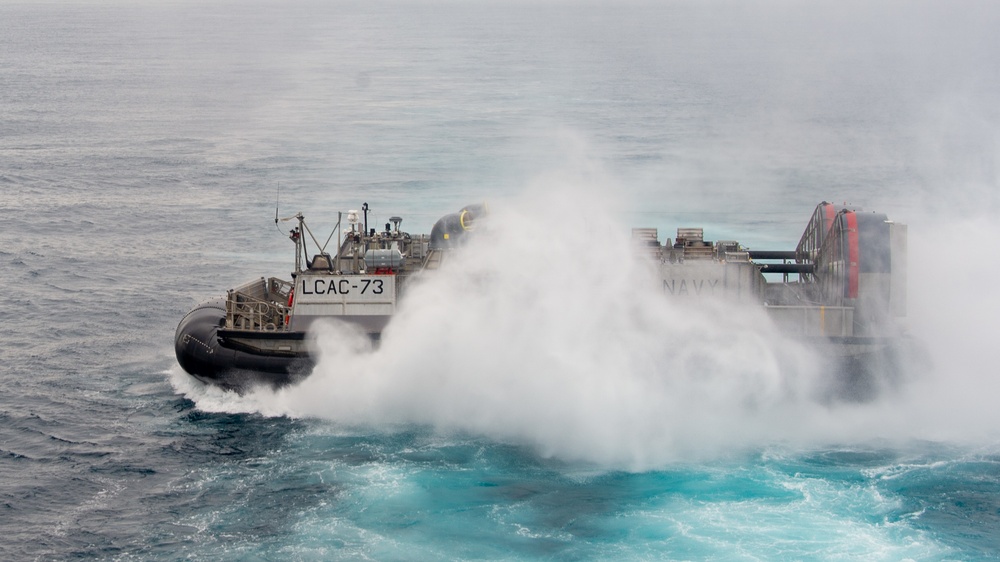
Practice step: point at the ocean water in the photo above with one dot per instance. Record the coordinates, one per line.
(538, 405)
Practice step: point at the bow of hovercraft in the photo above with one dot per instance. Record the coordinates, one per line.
(208, 351)
(258, 333)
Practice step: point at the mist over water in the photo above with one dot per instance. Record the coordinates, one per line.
(544, 330)
(953, 314)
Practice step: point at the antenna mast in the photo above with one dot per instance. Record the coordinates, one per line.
(277, 198)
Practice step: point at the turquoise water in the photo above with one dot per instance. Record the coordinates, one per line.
(551, 410)
(414, 496)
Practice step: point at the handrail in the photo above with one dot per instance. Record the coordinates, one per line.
(246, 310)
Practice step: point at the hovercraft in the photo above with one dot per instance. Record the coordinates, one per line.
(842, 290)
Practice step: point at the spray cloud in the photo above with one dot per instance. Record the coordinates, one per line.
(545, 330)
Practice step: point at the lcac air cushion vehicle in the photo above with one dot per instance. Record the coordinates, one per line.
(842, 290)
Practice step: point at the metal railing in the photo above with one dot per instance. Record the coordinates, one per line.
(259, 306)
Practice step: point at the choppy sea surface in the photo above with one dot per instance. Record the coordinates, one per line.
(145, 146)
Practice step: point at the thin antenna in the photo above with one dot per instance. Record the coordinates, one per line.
(277, 198)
